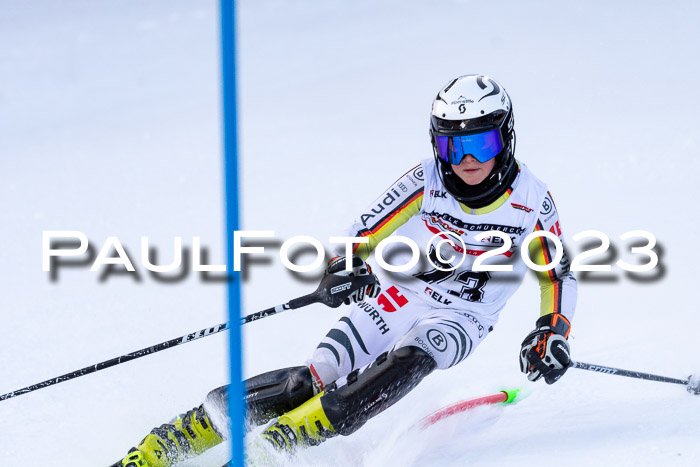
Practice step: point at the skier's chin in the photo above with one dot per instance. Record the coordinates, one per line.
(471, 176)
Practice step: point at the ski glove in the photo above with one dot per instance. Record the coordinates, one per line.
(545, 351)
(359, 268)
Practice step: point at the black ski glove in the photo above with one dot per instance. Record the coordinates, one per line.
(359, 268)
(545, 351)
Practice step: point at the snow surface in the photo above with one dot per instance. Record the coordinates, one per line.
(110, 124)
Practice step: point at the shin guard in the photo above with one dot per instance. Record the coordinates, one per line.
(353, 400)
(273, 393)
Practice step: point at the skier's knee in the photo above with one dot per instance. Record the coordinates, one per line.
(273, 393)
(408, 364)
(414, 356)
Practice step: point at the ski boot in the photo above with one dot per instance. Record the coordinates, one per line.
(133, 459)
(188, 436)
(307, 425)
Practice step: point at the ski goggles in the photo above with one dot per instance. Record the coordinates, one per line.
(483, 146)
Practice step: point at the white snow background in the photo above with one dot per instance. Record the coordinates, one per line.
(110, 124)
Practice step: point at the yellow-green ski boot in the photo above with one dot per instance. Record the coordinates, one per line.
(307, 425)
(188, 436)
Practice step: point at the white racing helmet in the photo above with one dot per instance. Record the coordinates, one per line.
(473, 115)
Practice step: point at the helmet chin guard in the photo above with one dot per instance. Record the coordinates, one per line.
(465, 110)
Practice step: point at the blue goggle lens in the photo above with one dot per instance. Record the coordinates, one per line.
(483, 146)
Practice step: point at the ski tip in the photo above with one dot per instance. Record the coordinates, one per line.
(512, 395)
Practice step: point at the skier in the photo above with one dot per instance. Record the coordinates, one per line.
(430, 317)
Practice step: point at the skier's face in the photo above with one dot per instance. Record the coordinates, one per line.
(473, 172)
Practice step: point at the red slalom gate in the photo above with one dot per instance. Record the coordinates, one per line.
(506, 396)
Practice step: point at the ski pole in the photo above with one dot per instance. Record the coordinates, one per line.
(332, 291)
(116, 361)
(692, 384)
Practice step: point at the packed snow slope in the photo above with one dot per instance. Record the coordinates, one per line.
(110, 124)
